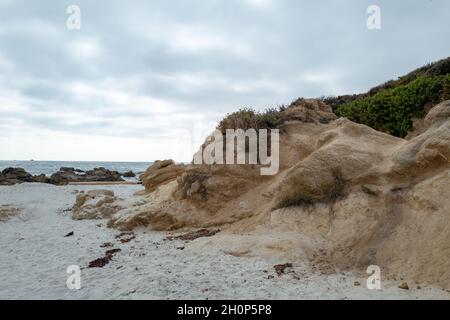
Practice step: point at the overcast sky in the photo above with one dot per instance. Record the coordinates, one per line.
(146, 80)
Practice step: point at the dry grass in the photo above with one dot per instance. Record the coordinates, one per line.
(297, 196)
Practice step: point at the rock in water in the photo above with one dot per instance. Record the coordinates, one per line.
(66, 175)
(129, 174)
(10, 176)
(42, 178)
(102, 174)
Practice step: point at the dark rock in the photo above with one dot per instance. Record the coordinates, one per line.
(129, 174)
(10, 176)
(69, 234)
(42, 178)
(102, 174)
(7, 182)
(70, 169)
(66, 175)
(281, 268)
(63, 177)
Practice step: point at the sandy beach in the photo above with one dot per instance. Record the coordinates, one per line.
(36, 254)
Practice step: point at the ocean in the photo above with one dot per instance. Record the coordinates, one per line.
(50, 167)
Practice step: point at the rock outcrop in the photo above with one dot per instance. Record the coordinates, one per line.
(310, 110)
(66, 175)
(346, 196)
(159, 173)
(128, 174)
(10, 176)
(42, 178)
(95, 204)
(438, 115)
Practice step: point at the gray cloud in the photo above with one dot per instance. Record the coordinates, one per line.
(146, 67)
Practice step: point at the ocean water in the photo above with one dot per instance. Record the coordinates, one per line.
(50, 167)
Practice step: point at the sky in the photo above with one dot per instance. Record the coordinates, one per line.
(148, 80)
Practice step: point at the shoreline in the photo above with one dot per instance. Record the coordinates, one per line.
(105, 183)
(69, 175)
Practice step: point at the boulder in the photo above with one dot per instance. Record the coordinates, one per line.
(10, 176)
(129, 174)
(102, 174)
(42, 178)
(310, 110)
(95, 204)
(160, 173)
(66, 175)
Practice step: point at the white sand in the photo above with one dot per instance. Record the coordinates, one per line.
(34, 255)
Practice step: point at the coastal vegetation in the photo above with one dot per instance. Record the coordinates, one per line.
(390, 107)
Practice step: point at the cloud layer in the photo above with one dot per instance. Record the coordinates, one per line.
(147, 80)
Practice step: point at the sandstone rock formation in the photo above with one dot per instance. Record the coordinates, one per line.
(310, 110)
(346, 196)
(95, 204)
(438, 115)
(160, 172)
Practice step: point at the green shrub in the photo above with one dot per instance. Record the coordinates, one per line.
(248, 118)
(438, 68)
(393, 110)
(244, 118)
(270, 119)
(446, 92)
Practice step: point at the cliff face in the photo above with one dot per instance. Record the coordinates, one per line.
(365, 197)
